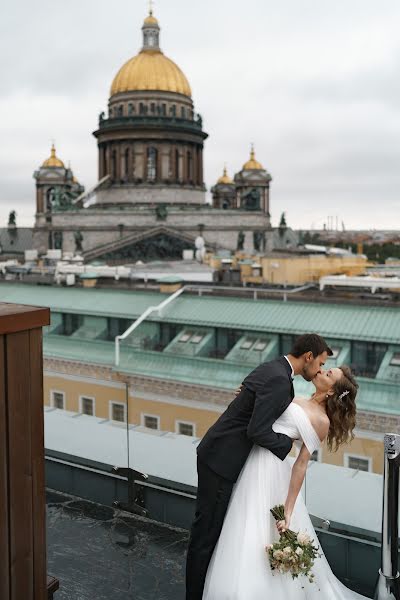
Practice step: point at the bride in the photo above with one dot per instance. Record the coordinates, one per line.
(239, 568)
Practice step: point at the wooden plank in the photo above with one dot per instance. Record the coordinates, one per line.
(20, 465)
(38, 470)
(4, 507)
(52, 586)
(20, 317)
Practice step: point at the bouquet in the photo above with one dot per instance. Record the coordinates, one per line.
(294, 553)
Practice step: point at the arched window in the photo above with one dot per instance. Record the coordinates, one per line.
(152, 108)
(110, 112)
(163, 110)
(173, 110)
(183, 112)
(141, 108)
(120, 110)
(151, 164)
(131, 109)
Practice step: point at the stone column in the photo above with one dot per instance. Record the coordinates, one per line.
(201, 180)
(101, 162)
(39, 199)
(107, 160)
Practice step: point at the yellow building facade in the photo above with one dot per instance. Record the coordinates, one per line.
(157, 405)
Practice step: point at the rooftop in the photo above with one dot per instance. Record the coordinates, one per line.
(339, 321)
(100, 552)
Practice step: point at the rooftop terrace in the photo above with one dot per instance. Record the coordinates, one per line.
(105, 553)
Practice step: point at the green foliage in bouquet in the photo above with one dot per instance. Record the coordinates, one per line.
(294, 553)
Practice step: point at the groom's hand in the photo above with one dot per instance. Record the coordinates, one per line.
(238, 390)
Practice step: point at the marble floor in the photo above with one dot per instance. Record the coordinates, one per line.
(98, 552)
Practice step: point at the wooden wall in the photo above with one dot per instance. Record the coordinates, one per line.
(22, 483)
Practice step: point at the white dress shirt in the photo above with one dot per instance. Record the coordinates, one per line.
(290, 366)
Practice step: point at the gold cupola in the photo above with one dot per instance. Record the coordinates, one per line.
(53, 160)
(150, 69)
(225, 179)
(252, 164)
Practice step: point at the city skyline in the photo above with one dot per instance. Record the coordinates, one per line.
(316, 94)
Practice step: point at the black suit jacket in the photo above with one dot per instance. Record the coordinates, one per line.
(267, 392)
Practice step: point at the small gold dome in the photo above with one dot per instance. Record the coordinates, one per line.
(150, 70)
(225, 179)
(53, 161)
(150, 20)
(252, 164)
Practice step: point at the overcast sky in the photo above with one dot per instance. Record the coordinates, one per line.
(315, 84)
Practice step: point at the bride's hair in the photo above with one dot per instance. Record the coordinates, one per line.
(341, 410)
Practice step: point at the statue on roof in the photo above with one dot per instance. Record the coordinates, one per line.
(78, 237)
(12, 218)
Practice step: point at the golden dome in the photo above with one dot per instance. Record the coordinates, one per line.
(151, 20)
(225, 179)
(53, 161)
(252, 164)
(150, 70)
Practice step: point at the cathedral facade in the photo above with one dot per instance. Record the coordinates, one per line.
(149, 202)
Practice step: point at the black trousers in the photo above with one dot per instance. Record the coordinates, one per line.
(213, 494)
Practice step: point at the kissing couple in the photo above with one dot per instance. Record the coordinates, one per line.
(244, 470)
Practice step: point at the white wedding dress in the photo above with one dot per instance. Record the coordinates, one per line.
(239, 568)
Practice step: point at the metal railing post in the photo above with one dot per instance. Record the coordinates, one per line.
(388, 584)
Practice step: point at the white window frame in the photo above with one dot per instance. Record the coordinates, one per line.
(81, 404)
(52, 392)
(142, 420)
(110, 412)
(178, 421)
(348, 455)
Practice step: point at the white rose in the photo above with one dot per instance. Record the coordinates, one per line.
(287, 550)
(303, 538)
(299, 551)
(277, 554)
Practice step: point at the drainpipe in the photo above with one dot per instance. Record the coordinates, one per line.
(388, 584)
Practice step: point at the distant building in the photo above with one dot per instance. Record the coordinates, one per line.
(149, 202)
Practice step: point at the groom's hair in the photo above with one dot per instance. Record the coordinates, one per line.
(310, 342)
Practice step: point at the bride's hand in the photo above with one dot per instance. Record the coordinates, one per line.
(238, 390)
(283, 525)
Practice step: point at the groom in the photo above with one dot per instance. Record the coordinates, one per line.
(265, 394)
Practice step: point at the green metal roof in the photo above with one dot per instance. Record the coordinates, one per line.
(338, 321)
(89, 301)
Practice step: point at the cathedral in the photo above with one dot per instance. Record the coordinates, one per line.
(149, 202)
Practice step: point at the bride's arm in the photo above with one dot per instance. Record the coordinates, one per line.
(296, 481)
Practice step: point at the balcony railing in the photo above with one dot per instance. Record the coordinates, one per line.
(156, 122)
